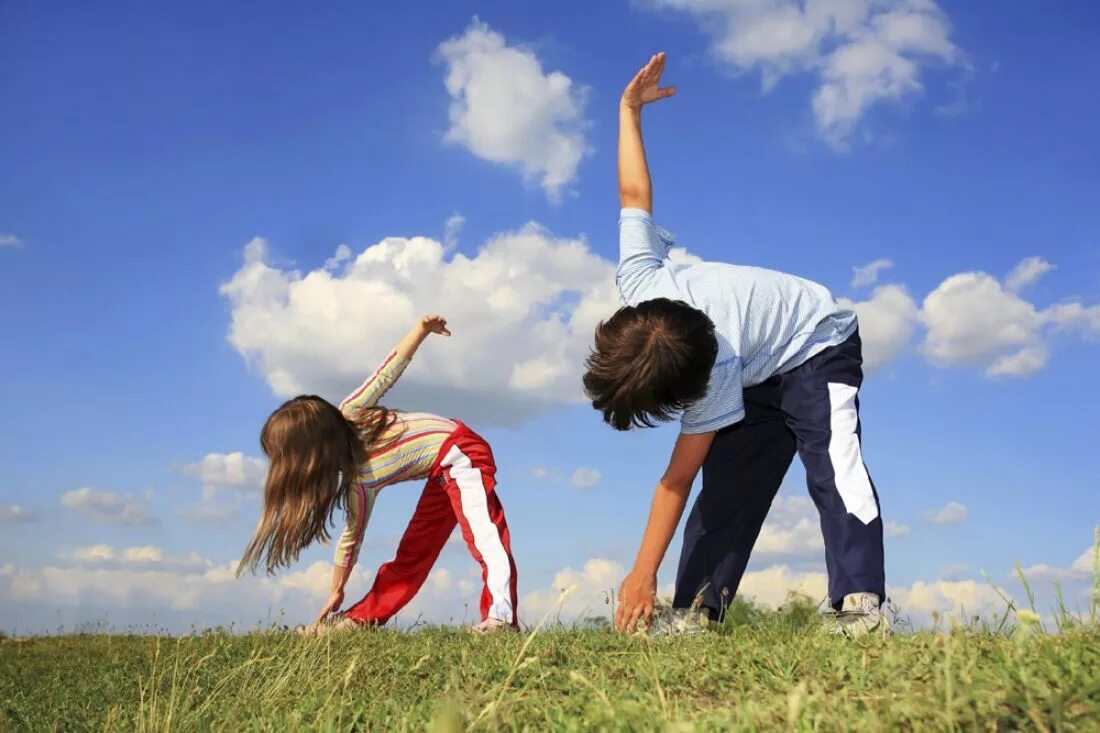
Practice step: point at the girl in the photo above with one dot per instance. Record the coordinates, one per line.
(323, 457)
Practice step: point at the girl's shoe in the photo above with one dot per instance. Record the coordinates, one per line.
(491, 626)
(335, 623)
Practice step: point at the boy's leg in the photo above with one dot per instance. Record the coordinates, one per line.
(821, 401)
(471, 484)
(741, 475)
(400, 579)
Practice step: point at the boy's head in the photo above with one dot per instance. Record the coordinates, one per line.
(650, 361)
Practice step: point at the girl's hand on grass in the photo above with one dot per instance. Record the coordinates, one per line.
(643, 88)
(332, 605)
(636, 598)
(435, 324)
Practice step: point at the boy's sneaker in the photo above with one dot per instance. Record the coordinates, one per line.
(675, 622)
(860, 614)
(491, 626)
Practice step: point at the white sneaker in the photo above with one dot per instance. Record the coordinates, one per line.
(860, 614)
(675, 622)
(491, 626)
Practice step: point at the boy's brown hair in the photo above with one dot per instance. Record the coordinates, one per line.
(650, 361)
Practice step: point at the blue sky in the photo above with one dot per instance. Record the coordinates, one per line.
(144, 148)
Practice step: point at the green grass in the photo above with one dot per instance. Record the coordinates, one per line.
(762, 671)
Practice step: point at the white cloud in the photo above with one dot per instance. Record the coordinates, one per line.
(972, 319)
(868, 274)
(451, 230)
(1080, 569)
(886, 323)
(1026, 272)
(590, 590)
(801, 538)
(540, 473)
(10, 240)
(228, 470)
(863, 53)
(525, 294)
(949, 598)
(1085, 562)
(137, 556)
(108, 506)
(504, 109)
(584, 478)
(339, 257)
(895, 529)
(952, 513)
(14, 513)
(145, 578)
(771, 586)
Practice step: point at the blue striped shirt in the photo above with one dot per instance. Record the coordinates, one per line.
(766, 322)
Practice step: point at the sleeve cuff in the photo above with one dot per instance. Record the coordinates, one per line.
(711, 426)
(668, 239)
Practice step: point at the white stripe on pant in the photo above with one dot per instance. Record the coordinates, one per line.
(486, 536)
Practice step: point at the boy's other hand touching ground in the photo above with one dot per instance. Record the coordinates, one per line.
(636, 598)
(643, 88)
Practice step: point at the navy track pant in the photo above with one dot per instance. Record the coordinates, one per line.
(812, 409)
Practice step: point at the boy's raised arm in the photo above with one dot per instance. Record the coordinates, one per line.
(635, 186)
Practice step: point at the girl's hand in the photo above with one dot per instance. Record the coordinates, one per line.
(643, 87)
(332, 605)
(435, 324)
(636, 598)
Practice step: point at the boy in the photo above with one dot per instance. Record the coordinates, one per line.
(760, 364)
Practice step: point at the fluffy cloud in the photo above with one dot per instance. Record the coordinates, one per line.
(108, 506)
(1026, 272)
(949, 598)
(952, 513)
(228, 470)
(14, 513)
(10, 240)
(234, 474)
(863, 53)
(772, 586)
(525, 294)
(895, 529)
(868, 274)
(504, 109)
(972, 319)
(451, 230)
(139, 556)
(575, 593)
(1081, 569)
(886, 323)
(584, 478)
(144, 577)
(801, 538)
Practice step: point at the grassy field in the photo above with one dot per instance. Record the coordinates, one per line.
(760, 671)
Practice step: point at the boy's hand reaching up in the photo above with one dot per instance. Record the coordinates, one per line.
(644, 88)
(636, 598)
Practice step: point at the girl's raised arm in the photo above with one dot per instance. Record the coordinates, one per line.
(372, 390)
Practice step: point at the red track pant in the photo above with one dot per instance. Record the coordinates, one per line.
(460, 490)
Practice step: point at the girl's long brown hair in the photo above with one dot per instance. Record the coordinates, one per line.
(314, 451)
